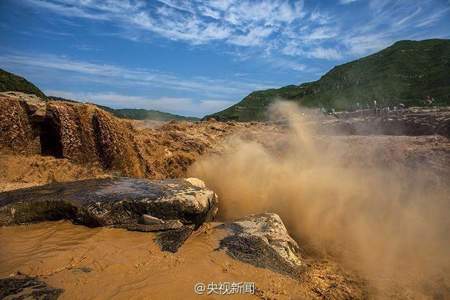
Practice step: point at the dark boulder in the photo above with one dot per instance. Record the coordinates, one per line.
(120, 202)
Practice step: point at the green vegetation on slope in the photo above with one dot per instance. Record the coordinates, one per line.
(11, 82)
(407, 72)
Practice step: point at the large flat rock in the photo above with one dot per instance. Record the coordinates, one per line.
(263, 241)
(120, 202)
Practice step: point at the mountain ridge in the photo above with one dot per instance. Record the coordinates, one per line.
(408, 72)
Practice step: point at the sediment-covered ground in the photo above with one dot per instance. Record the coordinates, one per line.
(41, 143)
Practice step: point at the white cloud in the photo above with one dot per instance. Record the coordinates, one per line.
(235, 22)
(117, 75)
(321, 33)
(347, 1)
(245, 23)
(68, 11)
(325, 53)
(297, 49)
(362, 44)
(390, 21)
(254, 36)
(433, 18)
(287, 64)
(267, 27)
(319, 17)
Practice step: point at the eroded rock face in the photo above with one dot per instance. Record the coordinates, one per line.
(16, 130)
(263, 241)
(26, 287)
(79, 132)
(120, 202)
(88, 135)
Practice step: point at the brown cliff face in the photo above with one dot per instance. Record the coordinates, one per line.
(16, 130)
(87, 135)
(82, 133)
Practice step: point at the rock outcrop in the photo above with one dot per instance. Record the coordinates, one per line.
(26, 287)
(86, 135)
(263, 241)
(81, 133)
(121, 202)
(17, 132)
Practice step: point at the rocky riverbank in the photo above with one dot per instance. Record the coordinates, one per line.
(126, 224)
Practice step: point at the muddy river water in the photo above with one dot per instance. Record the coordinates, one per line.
(107, 263)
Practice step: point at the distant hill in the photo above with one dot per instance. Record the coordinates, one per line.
(134, 114)
(407, 72)
(145, 114)
(12, 82)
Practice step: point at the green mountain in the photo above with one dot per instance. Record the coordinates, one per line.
(407, 72)
(11, 82)
(134, 114)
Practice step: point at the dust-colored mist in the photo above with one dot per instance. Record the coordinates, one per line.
(342, 196)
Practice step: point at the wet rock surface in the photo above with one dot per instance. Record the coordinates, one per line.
(26, 287)
(171, 240)
(167, 225)
(119, 202)
(263, 241)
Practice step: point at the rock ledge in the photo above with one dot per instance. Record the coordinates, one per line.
(120, 202)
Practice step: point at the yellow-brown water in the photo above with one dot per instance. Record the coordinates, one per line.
(129, 265)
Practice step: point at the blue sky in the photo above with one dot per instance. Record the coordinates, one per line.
(198, 57)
